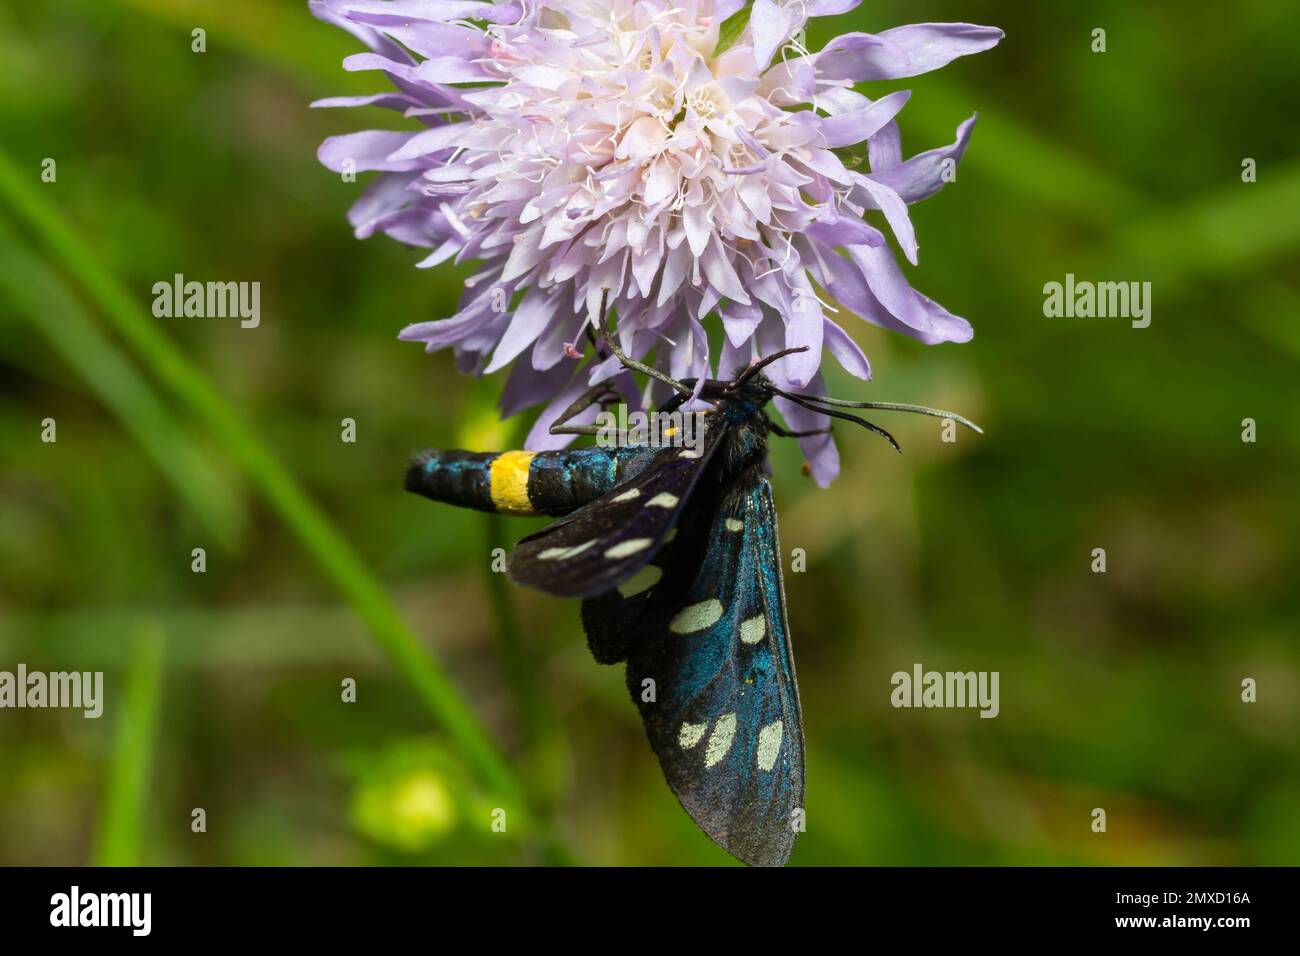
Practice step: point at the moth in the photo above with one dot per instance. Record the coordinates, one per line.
(676, 557)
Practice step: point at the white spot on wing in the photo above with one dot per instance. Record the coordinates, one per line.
(643, 580)
(662, 500)
(628, 495)
(626, 548)
(769, 745)
(558, 554)
(690, 735)
(724, 732)
(696, 617)
(735, 524)
(752, 630)
(670, 535)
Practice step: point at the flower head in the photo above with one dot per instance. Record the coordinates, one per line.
(651, 153)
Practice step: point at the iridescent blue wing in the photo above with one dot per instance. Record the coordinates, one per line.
(606, 542)
(711, 669)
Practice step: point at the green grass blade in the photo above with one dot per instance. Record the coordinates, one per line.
(121, 816)
(43, 297)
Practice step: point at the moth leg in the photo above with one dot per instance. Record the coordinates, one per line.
(602, 393)
(631, 363)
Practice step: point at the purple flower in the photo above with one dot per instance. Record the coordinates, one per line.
(617, 147)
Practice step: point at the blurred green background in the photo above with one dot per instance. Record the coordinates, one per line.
(1118, 690)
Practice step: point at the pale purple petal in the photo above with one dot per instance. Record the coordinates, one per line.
(770, 24)
(885, 149)
(550, 348)
(847, 129)
(835, 100)
(528, 386)
(803, 327)
(903, 51)
(843, 57)
(367, 150)
(945, 326)
(739, 321)
(330, 12)
(392, 101)
(439, 39)
(847, 284)
(925, 320)
(430, 141)
(789, 82)
(823, 458)
(828, 8)
(923, 175)
(819, 450)
(889, 285)
(451, 69)
(845, 232)
(736, 357)
(895, 211)
(720, 272)
(846, 351)
(443, 332)
(526, 324)
(606, 368)
(398, 11)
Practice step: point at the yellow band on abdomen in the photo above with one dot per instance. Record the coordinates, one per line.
(510, 482)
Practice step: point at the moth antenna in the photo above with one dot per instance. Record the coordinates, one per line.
(843, 416)
(892, 407)
(763, 363)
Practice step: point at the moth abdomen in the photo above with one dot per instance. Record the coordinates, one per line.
(521, 482)
(461, 478)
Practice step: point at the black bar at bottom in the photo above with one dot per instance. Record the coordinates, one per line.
(335, 905)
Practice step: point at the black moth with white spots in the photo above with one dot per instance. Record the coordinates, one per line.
(676, 555)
